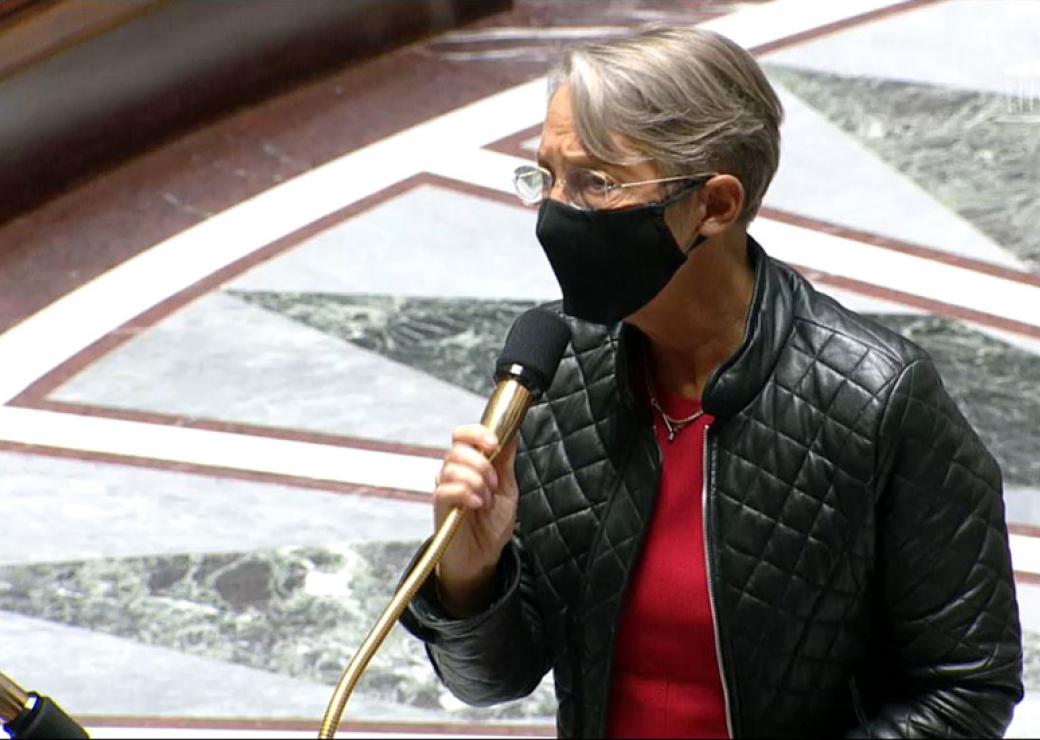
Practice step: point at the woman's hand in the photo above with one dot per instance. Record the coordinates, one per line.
(488, 494)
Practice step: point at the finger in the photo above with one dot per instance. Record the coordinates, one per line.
(456, 473)
(476, 435)
(466, 456)
(451, 494)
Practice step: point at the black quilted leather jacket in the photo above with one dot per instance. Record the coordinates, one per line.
(856, 544)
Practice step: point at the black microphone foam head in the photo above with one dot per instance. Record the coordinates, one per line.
(535, 343)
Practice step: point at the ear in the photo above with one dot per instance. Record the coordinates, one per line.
(722, 198)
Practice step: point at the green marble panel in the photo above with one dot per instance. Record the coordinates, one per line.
(299, 612)
(996, 385)
(453, 339)
(976, 153)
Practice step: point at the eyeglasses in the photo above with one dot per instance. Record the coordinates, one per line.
(589, 190)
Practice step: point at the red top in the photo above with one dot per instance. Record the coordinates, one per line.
(666, 679)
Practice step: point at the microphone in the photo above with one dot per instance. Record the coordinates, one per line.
(29, 715)
(524, 370)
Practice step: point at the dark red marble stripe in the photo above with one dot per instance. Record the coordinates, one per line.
(253, 430)
(938, 308)
(325, 486)
(842, 25)
(1030, 579)
(1026, 530)
(903, 247)
(464, 729)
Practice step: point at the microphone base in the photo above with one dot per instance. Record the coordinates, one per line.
(14, 700)
(44, 720)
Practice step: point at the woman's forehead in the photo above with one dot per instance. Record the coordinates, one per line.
(560, 138)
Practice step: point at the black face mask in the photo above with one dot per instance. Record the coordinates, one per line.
(610, 263)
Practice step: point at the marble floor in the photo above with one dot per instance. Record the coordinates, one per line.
(231, 364)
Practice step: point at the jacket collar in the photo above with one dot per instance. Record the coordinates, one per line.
(738, 380)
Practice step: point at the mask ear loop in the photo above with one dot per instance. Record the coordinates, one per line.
(674, 198)
(700, 239)
(661, 206)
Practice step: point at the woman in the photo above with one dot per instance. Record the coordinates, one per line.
(741, 509)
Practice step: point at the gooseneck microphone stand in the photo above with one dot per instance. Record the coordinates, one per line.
(504, 412)
(525, 368)
(27, 715)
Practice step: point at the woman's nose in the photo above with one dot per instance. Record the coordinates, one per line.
(557, 191)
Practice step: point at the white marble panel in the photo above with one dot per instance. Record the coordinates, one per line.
(429, 241)
(1026, 722)
(221, 358)
(985, 45)
(91, 673)
(1022, 505)
(1029, 605)
(70, 510)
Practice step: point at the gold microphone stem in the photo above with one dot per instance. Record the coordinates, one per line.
(13, 699)
(504, 412)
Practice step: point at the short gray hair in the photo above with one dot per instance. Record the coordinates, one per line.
(691, 100)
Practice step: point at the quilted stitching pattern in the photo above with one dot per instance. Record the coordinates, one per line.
(794, 508)
(857, 524)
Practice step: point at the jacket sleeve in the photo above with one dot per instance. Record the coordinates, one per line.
(494, 656)
(946, 591)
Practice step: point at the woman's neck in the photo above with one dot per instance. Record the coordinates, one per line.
(697, 322)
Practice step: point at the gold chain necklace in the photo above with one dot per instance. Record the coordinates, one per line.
(672, 425)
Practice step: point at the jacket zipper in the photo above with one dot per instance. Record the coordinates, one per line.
(706, 488)
(605, 697)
